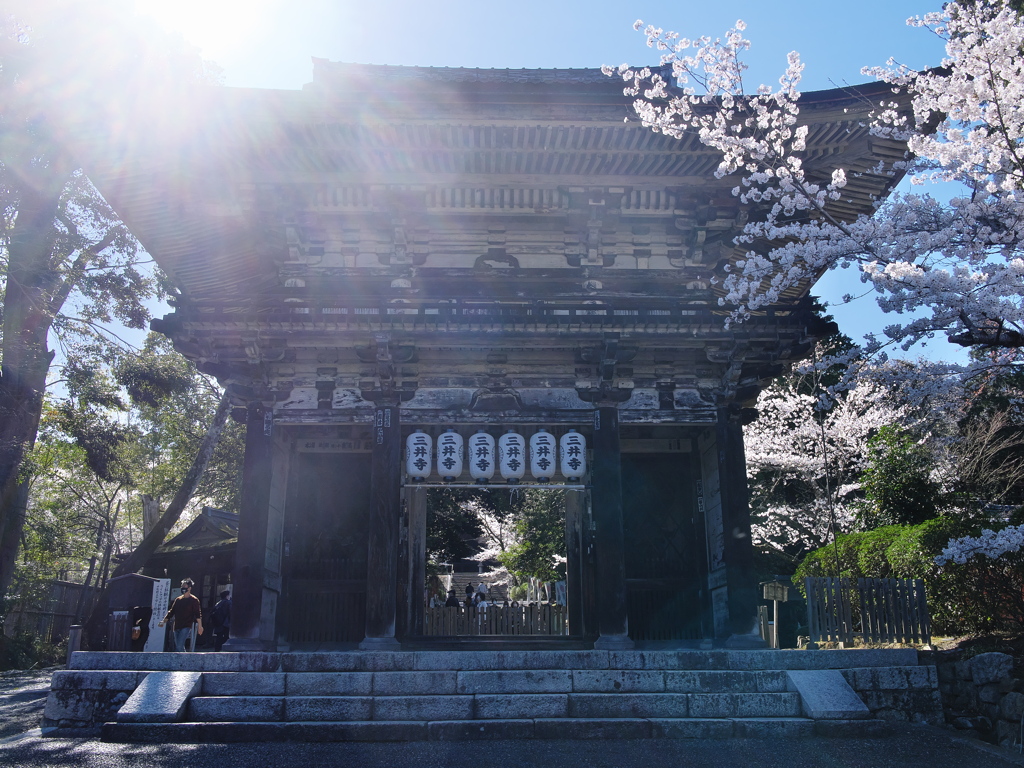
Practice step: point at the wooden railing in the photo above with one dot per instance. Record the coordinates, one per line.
(542, 619)
(873, 610)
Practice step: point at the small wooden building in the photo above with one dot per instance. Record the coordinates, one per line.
(395, 248)
(203, 552)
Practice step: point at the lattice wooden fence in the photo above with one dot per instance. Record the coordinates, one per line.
(544, 619)
(873, 610)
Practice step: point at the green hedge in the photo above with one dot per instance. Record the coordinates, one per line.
(982, 595)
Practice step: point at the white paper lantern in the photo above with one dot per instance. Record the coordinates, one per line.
(417, 455)
(542, 455)
(572, 453)
(450, 451)
(481, 456)
(512, 456)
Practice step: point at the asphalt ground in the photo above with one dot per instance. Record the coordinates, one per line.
(22, 697)
(917, 747)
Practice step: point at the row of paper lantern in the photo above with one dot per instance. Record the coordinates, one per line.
(510, 459)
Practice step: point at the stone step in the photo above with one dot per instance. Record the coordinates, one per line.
(492, 707)
(440, 682)
(397, 661)
(465, 730)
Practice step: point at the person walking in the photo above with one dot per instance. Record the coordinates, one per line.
(185, 611)
(221, 620)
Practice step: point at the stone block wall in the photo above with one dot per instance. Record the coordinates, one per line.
(85, 699)
(898, 694)
(982, 696)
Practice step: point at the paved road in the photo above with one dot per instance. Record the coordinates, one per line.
(22, 696)
(918, 747)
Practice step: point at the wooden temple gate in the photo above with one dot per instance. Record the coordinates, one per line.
(393, 249)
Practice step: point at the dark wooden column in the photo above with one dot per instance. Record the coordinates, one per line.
(738, 546)
(612, 621)
(574, 509)
(385, 511)
(251, 551)
(417, 506)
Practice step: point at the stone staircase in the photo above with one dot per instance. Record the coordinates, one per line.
(429, 695)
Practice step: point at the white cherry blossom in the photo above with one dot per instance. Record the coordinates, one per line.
(954, 268)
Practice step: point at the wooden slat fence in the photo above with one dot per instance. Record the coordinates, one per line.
(543, 619)
(873, 610)
(52, 619)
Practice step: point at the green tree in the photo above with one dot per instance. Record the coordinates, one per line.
(540, 528)
(897, 483)
(68, 266)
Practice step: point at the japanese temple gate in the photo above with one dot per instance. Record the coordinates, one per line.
(396, 248)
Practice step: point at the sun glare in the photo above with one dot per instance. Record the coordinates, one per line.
(216, 27)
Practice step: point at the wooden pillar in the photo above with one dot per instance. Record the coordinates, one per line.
(385, 510)
(574, 509)
(417, 506)
(738, 546)
(250, 552)
(612, 621)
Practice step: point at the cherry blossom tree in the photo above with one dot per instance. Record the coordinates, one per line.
(805, 459)
(954, 268)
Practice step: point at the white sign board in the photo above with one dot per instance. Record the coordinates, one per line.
(161, 602)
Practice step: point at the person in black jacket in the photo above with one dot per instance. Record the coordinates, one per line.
(221, 620)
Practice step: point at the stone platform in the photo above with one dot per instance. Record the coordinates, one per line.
(440, 695)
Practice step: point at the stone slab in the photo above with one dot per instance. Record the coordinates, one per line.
(661, 660)
(628, 705)
(349, 661)
(329, 683)
(725, 681)
(423, 708)
(715, 705)
(416, 683)
(515, 681)
(243, 684)
(594, 728)
(854, 728)
(98, 680)
(236, 709)
(521, 706)
(161, 697)
(510, 660)
(357, 731)
(158, 662)
(617, 681)
(328, 708)
(82, 708)
(192, 733)
(825, 695)
(479, 730)
(773, 728)
(691, 728)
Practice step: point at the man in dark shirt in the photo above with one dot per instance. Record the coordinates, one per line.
(185, 611)
(221, 620)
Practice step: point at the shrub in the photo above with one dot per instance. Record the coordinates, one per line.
(980, 595)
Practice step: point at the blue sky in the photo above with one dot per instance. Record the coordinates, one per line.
(269, 44)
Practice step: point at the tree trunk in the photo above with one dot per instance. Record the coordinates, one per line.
(27, 316)
(96, 625)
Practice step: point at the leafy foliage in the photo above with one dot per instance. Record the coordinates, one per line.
(977, 595)
(897, 481)
(540, 530)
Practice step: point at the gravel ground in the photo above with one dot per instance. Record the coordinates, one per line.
(22, 698)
